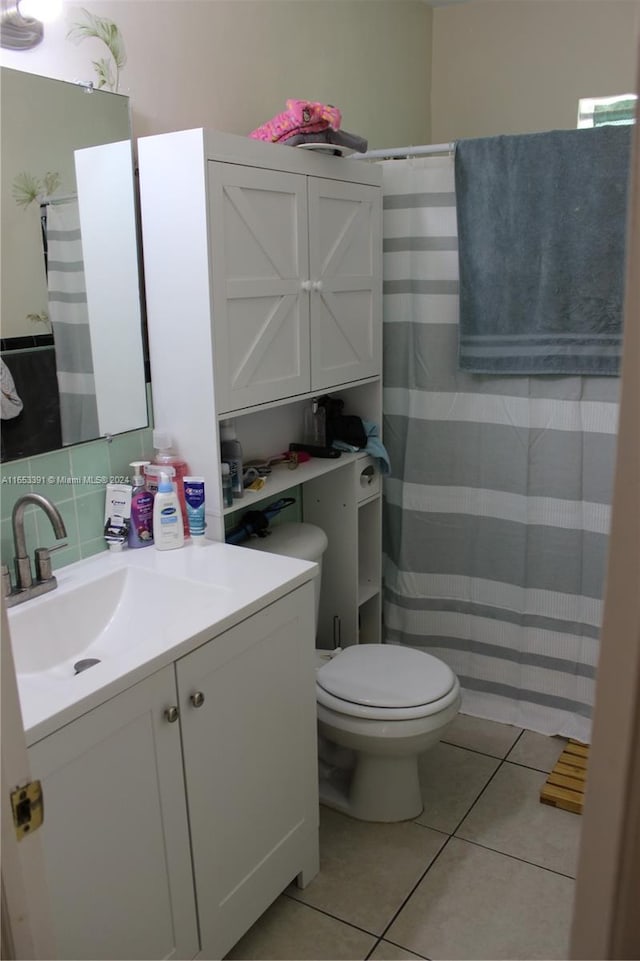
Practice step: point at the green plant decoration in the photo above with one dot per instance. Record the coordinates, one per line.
(41, 318)
(26, 188)
(101, 28)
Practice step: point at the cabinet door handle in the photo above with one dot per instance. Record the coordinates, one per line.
(306, 285)
(197, 699)
(172, 714)
(317, 285)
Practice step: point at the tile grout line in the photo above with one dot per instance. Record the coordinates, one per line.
(496, 757)
(473, 803)
(477, 750)
(448, 836)
(415, 887)
(486, 847)
(528, 767)
(437, 856)
(334, 917)
(370, 952)
(402, 948)
(381, 939)
(514, 857)
(381, 936)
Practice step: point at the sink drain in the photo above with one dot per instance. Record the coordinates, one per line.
(83, 665)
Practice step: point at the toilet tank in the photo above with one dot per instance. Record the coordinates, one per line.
(304, 541)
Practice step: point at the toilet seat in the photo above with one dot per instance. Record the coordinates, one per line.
(383, 681)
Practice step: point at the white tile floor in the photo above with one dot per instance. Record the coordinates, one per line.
(486, 871)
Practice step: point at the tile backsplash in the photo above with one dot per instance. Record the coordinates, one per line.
(74, 479)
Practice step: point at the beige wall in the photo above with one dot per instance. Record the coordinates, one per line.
(518, 66)
(401, 72)
(232, 64)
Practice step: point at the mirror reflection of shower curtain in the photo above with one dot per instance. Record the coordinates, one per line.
(70, 323)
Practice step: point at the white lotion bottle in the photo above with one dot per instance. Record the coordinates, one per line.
(168, 530)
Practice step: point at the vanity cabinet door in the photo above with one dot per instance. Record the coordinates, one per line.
(260, 265)
(248, 716)
(345, 245)
(115, 830)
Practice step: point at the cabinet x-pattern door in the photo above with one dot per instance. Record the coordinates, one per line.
(344, 253)
(258, 225)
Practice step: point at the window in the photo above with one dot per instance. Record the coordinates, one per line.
(596, 111)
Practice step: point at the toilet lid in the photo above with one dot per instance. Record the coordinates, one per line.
(386, 675)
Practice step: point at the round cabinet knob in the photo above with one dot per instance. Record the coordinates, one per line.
(172, 714)
(306, 285)
(317, 285)
(197, 699)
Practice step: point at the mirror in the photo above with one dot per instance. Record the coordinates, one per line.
(72, 344)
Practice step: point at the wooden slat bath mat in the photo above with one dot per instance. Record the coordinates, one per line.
(565, 786)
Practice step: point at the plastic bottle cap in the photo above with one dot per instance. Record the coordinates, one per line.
(225, 469)
(138, 471)
(227, 430)
(164, 485)
(161, 440)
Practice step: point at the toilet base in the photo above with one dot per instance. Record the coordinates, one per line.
(383, 789)
(372, 766)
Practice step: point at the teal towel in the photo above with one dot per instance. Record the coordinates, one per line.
(375, 448)
(541, 241)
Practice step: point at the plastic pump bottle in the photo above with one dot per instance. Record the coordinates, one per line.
(314, 429)
(227, 490)
(141, 528)
(231, 454)
(165, 454)
(168, 531)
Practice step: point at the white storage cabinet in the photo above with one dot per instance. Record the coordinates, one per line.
(263, 272)
(191, 796)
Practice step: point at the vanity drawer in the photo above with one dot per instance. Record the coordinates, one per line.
(367, 479)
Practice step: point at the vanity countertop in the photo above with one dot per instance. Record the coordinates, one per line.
(221, 585)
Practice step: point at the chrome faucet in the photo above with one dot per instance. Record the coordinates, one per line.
(25, 586)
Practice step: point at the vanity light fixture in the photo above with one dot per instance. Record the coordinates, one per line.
(21, 22)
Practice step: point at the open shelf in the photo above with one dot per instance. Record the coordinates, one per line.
(368, 550)
(367, 590)
(282, 478)
(369, 617)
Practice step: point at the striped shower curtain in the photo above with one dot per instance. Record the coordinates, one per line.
(496, 513)
(69, 318)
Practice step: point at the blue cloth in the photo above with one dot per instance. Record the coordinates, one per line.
(375, 448)
(541, 240)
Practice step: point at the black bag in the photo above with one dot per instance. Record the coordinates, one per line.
(345, 427)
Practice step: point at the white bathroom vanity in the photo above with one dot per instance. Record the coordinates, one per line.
(179, 772)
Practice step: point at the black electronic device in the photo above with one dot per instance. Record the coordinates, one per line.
(330, 452)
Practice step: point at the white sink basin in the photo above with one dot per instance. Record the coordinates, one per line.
(100, 619)
(132, 614)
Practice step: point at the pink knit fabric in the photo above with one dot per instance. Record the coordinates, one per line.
(301, 116)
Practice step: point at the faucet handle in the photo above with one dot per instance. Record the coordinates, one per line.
(44, 571)
(6, 581)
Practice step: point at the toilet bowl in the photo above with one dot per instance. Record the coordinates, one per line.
(380, 706)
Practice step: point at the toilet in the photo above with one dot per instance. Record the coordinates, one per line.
(380, 706)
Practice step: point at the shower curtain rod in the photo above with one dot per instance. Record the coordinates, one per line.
(53, 201)
(391, 152)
